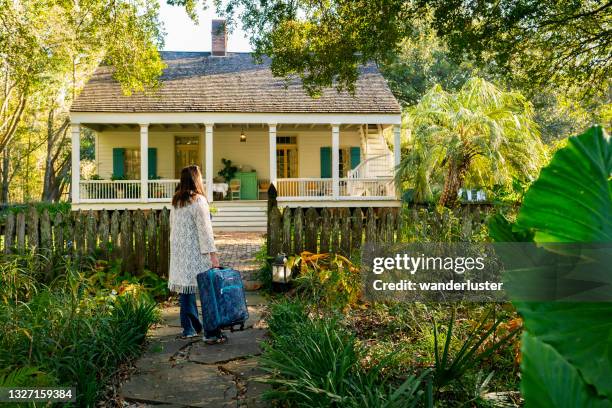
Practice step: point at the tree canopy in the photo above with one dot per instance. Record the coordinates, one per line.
(537, 42)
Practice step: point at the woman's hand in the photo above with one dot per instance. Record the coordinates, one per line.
(214, 259)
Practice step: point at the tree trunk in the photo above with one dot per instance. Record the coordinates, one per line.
(53, 182)
(4, 189)
(455, 175)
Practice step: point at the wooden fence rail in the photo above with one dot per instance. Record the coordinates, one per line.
(140, 239)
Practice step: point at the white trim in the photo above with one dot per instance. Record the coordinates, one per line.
(335, 148)
(272, 141)
(209, 161)
(144, 162)
(76, 160)
(234, 117)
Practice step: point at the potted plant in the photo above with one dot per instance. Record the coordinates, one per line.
(228, 171)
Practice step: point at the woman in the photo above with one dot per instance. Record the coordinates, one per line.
(192, 249)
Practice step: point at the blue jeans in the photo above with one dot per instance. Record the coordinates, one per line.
(190, 320)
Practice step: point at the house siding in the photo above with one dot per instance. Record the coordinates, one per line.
(226, 144)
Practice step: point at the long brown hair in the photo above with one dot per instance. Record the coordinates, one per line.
(189, 186)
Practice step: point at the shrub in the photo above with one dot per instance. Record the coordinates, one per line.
(68, 332)
(314, 362)
(328, 280)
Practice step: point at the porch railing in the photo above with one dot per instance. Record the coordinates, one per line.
(305, 188)
(161, 190)
(109, 190)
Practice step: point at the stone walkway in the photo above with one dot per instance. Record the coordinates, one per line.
(237, 250)
(188, 373)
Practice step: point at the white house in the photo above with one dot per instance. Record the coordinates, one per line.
(219, 105)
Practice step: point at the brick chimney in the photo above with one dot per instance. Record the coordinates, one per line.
(219, 37)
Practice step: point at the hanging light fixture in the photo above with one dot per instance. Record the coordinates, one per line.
(242, 135)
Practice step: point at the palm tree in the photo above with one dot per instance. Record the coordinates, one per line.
(481, 135)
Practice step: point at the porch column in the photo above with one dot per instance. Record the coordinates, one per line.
(76, 162)
(335, 147)
(209, 161)
(272, 135)
(397, 145)
(144, 162)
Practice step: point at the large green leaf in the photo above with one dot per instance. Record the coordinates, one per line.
(572, 199)
(567, 348)
(551, 381)
(580, 332)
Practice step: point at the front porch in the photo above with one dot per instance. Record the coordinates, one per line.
(320, 164)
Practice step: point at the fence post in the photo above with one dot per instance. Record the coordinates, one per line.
(335, 232)
(345, 239)
(90, 226)
(357, 233)
(325, 230)
(103, 233)
(371, 226)
(58, 233)
(46, 244)
(298, 231)
(311, 230)
(126, 241)
(287, 231)
(164, 242)
(139, 241)
(9, 232)
(274, 241)
(114, 235)
(33, 239)
(152, 241)
(21, 226)
(272, 194)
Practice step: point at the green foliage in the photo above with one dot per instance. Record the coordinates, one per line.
(228, 171)
(566, 346)
(535, 42)
(441, 224)
(480, 136)
(110, 276)
(448, 369)
(422, 61)
(69, 333)
(328, 280)
(315, 363)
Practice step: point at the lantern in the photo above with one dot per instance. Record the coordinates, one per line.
(281, 273)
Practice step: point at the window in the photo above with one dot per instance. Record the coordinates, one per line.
(286, 157)
(131, 159)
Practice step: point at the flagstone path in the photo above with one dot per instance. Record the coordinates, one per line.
(188, 373)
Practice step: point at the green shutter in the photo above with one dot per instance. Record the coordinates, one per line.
(152, 162)
(355, 156)
(118, 162)
(326, 166)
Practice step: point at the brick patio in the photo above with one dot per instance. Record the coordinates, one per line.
(237, 250)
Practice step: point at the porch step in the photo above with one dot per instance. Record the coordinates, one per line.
(240, 216)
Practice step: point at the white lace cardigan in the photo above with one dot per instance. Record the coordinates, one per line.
(191, 242)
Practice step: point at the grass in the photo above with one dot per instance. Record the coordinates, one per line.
(68, 333)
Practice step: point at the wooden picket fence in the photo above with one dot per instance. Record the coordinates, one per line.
(337, 230)
(140, 239)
